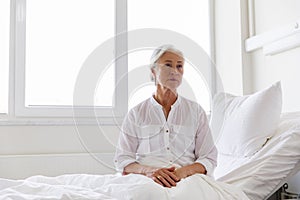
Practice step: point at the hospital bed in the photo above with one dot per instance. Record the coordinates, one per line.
(256, 177)
(262, 174)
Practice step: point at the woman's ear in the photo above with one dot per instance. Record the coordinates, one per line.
(153, 75)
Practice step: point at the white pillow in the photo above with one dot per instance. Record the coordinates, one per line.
(241, 125)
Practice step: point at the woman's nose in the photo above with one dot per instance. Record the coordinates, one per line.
(174, 71)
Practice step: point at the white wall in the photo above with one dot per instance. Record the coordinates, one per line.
(228, 51)
(20, 140)
(284, 66)
(55, 150)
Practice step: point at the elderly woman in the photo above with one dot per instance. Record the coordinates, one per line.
(166, 137)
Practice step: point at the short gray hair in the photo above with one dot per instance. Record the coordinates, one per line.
(159, 51)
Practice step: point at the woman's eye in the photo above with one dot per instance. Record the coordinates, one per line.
(168, 65)
(179, 66)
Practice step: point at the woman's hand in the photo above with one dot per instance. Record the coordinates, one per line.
(164, 176)
(181, 173)
(189, 170)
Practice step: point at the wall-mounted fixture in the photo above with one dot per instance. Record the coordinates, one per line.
(276, 40)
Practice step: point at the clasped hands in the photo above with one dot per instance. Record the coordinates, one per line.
(167, 177)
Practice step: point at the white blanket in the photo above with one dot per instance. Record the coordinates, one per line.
(82, 186)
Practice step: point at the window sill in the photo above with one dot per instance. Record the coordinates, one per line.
(5, 121)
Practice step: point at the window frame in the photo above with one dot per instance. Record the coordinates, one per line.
(53, 115)
(18, 68)
(4, 113)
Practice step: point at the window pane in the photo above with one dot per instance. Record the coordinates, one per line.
(60, 35)
(4, 54)
(190, 18)
(140, 86)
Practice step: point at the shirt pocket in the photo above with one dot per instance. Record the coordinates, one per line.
(184, 137)
(149, 139)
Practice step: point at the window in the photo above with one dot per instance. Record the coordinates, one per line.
(53, 39)
(60, 35)
(58, 44)
(4, 54)
(191, 19)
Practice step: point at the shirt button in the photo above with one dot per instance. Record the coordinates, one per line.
(167, 131)
(168, 148)
(171, 161)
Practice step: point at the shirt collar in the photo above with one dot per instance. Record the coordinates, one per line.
(155, 103)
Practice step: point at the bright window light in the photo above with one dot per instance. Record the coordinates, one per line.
(140, 86)
(60, 35)
(190, 18)
(4, 54)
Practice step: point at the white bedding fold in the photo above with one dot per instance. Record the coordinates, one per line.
(82, 186)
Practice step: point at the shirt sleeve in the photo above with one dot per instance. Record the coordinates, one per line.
(127, 144)
(205, 149)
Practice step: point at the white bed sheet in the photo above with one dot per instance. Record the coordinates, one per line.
(92, 187)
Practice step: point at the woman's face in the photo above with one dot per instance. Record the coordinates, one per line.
(169, 70)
